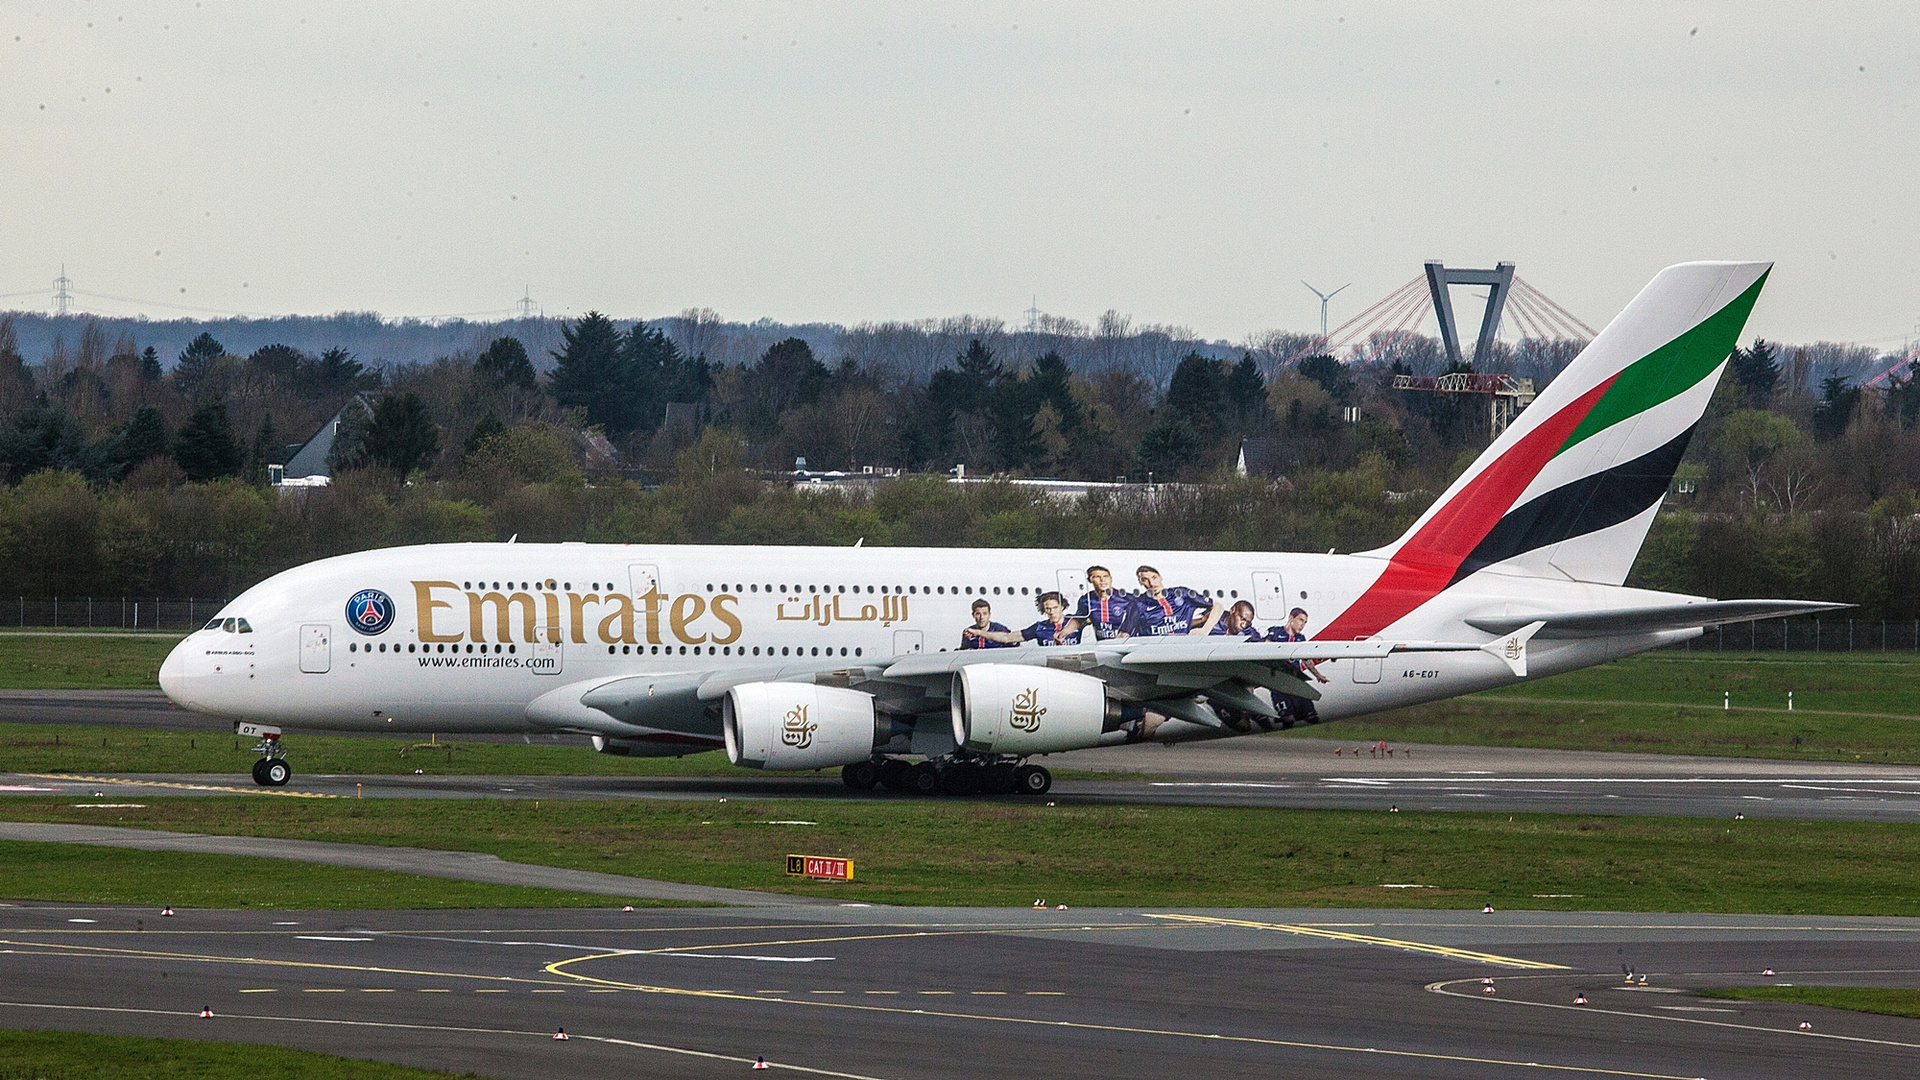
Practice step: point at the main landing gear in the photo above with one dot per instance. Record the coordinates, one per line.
(949, 776)
(272, 769)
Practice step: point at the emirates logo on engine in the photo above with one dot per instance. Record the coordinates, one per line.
(1027, 711)
(796, 730)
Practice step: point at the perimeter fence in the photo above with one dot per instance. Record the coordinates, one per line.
(158, 613)
(1809, 635)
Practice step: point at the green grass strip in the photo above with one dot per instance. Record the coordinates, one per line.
(930, 852)
(79, 874)
(65, 1055)
(57, 661)
(1847, 707)
(1869, 999)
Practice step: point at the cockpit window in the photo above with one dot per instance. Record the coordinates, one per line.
(231, 626)
(244, 628)
(214, 625)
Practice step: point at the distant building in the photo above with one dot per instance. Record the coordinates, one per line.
(310, 460)
(1266, 459)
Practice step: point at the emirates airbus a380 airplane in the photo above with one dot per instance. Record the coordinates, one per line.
(865, 658)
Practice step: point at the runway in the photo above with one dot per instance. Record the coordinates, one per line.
(1260, 772)
(911, 993)
(1269, 771)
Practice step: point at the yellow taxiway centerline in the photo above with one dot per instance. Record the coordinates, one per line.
(1369, 939)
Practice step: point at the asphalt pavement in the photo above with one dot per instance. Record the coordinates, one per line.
(1271, 771)
(933, 993)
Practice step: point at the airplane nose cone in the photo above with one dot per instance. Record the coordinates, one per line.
(174, 679)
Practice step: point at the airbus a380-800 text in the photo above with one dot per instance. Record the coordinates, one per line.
(893, 664)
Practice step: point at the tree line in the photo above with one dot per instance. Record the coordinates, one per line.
(127, 475)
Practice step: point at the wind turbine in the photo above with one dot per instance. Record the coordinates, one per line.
(1324, 297)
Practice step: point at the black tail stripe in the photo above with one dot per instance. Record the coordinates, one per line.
(1587, 505)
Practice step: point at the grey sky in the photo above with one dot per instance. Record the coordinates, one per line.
(1182, 163)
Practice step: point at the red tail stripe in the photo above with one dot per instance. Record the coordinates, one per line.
(1426, 562)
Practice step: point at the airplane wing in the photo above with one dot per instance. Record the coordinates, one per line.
(1646, 620)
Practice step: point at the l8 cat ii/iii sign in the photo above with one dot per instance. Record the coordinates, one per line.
(820, 866)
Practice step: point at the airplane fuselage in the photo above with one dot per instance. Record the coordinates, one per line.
(464, 637)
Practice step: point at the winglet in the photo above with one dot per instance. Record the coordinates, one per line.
(1512, 649)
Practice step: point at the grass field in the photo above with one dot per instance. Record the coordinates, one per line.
(54, 660)
(920, 852)
(48, 748)
(76, 873)
(63, 1055)
(1872, 999)
(1859, 706)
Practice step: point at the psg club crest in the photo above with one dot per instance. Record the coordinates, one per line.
(370, 611)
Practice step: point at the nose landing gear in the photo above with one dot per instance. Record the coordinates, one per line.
(272, 769)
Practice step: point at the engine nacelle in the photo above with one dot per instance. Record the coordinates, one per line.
(778, 725)
(1021, 709)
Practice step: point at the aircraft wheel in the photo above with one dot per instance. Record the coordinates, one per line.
(893, 774)
(1032, 780)
(997, 780)
(260, 772)
(860, 776)
(924, 779)
(961, 780)
(276, 772)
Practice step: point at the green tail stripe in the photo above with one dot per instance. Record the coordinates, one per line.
(1670, 369)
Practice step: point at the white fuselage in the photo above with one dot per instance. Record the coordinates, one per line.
(475, 633)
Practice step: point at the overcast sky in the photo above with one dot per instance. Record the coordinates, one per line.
(1181, 163)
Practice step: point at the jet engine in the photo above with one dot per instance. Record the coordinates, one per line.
(1021, 709)
(778, 725)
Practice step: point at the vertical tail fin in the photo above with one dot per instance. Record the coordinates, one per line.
(1570, 489)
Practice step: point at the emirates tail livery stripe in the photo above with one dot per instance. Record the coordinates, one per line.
(1478, 524)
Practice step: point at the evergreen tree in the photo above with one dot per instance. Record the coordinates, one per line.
(655, 366)
(207, 448)
(1170, 447)
(335, 372)
(1757, 372)
(489, 427)
(505, 363)
(1198, 391)
(196, 362)
(44, 436)
(150, 365)
(1834, 411)
(269, 446)
(401, 436)
(1333, 377)
(592, 374)
(145, 436)
(1246, 393)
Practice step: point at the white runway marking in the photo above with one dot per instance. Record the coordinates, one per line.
(321, 937)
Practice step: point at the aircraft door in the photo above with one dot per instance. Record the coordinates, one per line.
(316, 648)
(1269, 596)
(1072, 585)
(908, 642)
